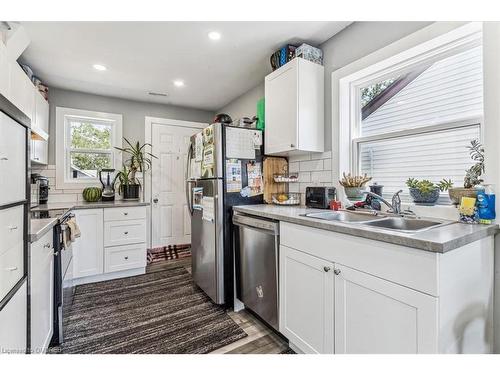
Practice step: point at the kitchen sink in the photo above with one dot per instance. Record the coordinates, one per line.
(344, 216)
(404, 224)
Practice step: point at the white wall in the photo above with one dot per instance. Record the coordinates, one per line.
(133, 112)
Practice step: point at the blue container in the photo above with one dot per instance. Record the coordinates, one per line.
(486, 204)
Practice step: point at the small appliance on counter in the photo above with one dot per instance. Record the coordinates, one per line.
(320, 196)
(39, 189)
(108, 186)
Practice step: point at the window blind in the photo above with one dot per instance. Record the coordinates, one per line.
(450, 90)
(433, 156)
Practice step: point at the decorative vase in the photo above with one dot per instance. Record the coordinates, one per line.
(456, 194)
(131, 192)
(424, 198)
(354, 193)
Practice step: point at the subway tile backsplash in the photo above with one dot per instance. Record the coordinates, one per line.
(57, 195)
(315, 169)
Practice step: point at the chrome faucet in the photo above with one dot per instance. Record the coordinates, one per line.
(396, 201)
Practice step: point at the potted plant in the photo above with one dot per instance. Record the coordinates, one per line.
(472, 175)
(354, 185)
(139, 161)
(425, 191)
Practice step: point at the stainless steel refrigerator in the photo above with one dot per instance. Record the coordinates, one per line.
(223, 169)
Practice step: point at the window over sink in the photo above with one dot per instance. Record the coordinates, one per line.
(85, 144)
(414, 115)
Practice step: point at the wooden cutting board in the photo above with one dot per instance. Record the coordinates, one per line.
(274, 165)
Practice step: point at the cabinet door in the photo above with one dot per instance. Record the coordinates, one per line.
(13, 323)
(42, 293)
(88, 249)
(306, 301)
(40, 152)
(373, 315)
(281, 109)
(41, 112)
(21, 90)
(12, 161)
(4, 72)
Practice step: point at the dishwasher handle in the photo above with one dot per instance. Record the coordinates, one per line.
(270, 226)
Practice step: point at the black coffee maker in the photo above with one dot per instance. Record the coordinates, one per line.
(42, 184)
(108, 186)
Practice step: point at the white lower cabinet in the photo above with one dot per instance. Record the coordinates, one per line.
(344, 294)
(306, 301)
(42, 293)
(373, 315)
(13, 323)
(88, 249)
(112, 244)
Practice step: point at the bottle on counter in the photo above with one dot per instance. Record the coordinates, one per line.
(486, 204)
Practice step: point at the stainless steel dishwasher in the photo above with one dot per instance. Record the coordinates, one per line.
(256, 265)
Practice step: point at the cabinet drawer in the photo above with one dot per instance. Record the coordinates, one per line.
(11, 268)
(12, 161)
(119, 258)
(124, 213)
(124, 232)
(11, 227)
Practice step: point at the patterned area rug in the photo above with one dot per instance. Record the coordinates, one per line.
(156, 313)
(169, 252)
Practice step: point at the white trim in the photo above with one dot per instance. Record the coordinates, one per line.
(148, 126)
(61, 113)
(384, 62)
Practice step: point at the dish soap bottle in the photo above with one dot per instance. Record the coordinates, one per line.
(486, 204)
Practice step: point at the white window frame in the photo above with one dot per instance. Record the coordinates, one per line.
(63, 149)
(349, 104)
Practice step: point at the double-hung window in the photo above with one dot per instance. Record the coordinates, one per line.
(416, 118)
(86, 143)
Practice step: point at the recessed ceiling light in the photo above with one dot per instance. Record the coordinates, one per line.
(214, 35)
(99, 67)
(179, 83)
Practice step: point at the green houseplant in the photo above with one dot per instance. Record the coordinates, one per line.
(139, 160)
(472, 175)
(425, 191)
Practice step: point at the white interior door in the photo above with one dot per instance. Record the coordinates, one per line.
(170, 218)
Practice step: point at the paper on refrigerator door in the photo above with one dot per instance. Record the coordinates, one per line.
(198, 147)
(233, 176)
(240, 143)
(207, 205)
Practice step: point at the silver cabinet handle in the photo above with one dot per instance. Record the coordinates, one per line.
(12, 227)
(292, 145)
(126, 258)
(125, 232)
(11, 268)
(336, 271)
(4, 158)
(47, 246)
(125, 213)
(326, 268)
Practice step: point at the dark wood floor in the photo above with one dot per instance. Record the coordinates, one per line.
(260, 339)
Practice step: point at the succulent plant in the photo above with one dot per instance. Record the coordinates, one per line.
(426, 186)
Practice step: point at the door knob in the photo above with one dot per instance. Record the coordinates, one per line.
(336, 271)
(326, 268)
(155, 200)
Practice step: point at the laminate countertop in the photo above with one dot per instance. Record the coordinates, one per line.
(38, 227)
(440, 239)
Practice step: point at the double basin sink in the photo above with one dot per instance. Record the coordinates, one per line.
(396, 223)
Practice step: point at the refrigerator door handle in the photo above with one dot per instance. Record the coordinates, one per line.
(188, 182)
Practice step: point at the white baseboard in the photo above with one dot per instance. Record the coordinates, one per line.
(105, 276)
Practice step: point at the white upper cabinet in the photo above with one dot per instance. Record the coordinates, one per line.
(21, 90)
(4, 72)
(41, 114)
(294, 97)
